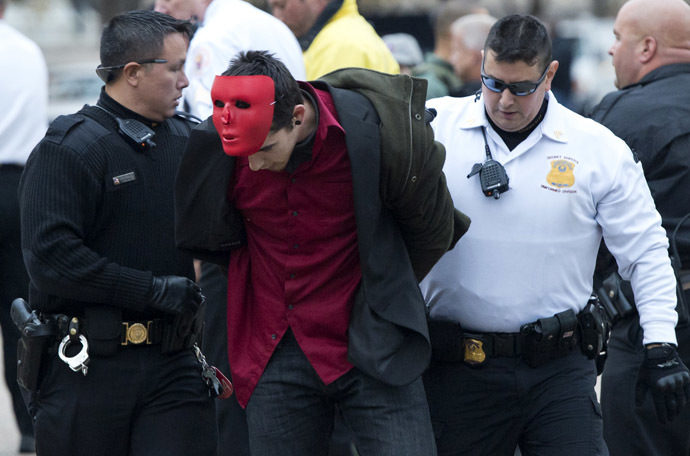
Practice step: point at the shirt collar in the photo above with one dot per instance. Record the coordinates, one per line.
(119, 110)
(553, 126)
(662, 72)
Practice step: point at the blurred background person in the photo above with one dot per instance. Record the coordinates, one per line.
(334, 35)
(468, 35)
(564, 50)
(226, 27)
(651, 112)
(24, 120)
(437, 68)
(405, 49)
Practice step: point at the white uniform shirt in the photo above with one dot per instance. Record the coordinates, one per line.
(531, 253)
(229, 27)
(23, 95)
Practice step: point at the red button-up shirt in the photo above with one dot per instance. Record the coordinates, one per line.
(300, 268)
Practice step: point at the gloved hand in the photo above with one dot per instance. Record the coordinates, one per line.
(664, 374)
(176, 295)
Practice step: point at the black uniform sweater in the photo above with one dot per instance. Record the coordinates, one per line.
(97, 212)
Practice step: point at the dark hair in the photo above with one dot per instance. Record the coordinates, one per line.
(138, 35)
(519, 37)
(287, 91)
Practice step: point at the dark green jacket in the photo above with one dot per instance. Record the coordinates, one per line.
(404, 213)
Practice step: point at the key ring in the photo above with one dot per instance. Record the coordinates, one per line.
(79, 361)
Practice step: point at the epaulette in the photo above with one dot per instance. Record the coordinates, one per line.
(61, 129)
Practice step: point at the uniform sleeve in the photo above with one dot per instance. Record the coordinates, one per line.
(59, 198)
(668, 174)
(632, 230)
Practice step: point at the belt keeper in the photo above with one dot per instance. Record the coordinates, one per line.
(73, 330)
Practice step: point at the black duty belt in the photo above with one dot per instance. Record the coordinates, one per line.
(139, 332)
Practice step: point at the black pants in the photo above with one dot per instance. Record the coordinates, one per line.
(233, 437)
(136, 403)
(14, 283)
(551, 410)
(632, 431)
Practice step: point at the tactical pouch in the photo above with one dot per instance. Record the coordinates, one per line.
(615, 295)
(103, 329)
(594, 329)
(181, 331)
(549, 338)
(38, 335)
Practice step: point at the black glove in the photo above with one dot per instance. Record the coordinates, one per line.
(663, 373)
(176, 295)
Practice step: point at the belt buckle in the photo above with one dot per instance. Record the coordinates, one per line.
(473, 351)
(136, 333)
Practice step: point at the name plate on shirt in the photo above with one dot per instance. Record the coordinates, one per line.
(124, 178)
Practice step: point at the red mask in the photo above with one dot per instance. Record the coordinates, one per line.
(242, 112)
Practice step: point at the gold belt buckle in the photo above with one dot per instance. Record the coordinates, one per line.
(136, 333)
(473, 352)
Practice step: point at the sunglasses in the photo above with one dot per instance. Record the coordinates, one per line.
(519, 89)
(103, 72)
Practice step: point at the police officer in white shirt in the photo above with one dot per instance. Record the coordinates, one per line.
(512, 324)
(24, 120)
(227, 27)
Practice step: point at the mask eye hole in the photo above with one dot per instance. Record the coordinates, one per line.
(239, 104)
(219, 104)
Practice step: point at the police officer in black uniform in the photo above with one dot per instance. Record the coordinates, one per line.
(651, 112)
(96, 202)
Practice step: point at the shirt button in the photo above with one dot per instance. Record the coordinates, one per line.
(294, 213)
(293, 180)
(273, 336)
(291, 307)
(296, 246)
(292, 276)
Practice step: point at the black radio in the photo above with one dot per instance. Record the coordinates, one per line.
(492, 175)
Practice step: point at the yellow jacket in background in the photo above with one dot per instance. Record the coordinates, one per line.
(348, 40)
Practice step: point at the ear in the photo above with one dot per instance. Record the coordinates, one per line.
(132, 72)
(298, 112)
(648, 47)
(550, 73)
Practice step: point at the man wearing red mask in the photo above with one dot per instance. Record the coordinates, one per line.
(326, 220)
